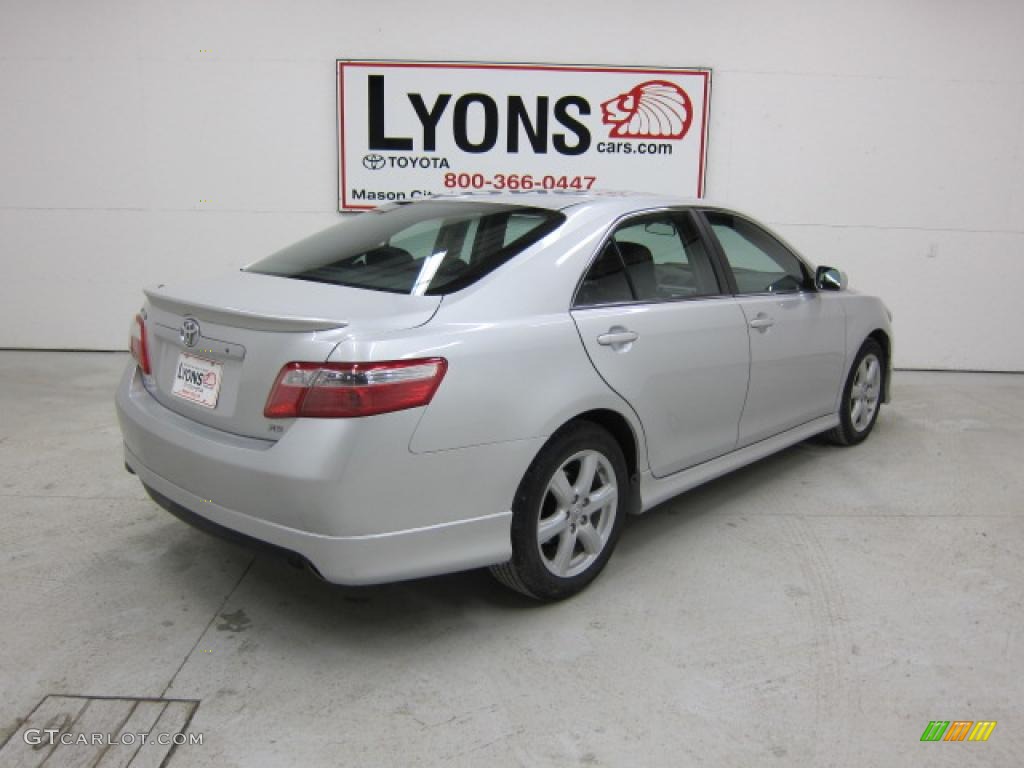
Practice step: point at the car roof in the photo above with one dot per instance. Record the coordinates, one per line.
(559, 200)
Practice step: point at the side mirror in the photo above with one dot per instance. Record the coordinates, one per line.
(829, 279)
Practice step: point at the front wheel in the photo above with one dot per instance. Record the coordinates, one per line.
(567, 514)
(862, 396)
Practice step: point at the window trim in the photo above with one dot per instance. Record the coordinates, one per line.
(709, 234)
(674, 212)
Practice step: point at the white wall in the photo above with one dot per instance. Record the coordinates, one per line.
(883, 137)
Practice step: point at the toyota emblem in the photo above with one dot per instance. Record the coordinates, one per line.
(189, 332)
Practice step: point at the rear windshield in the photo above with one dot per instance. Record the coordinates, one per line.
(426, 248)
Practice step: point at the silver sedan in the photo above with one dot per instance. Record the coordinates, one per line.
(491, 380)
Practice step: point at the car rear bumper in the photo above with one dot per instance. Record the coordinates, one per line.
(350, 498)
(370, 559)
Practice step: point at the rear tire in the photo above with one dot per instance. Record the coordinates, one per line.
(567, 515)
(862, 396)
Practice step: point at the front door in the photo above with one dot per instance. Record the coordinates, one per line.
(797, 334)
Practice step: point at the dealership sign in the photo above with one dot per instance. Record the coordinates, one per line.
(408, 130)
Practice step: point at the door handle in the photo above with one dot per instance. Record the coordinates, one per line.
(616, 336)
(762, 321)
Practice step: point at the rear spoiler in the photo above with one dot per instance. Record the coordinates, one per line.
(240, 318)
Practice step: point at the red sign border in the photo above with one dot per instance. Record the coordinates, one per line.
(704, 72)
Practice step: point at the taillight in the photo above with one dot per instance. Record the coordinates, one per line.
(139, 347)
(350, 390)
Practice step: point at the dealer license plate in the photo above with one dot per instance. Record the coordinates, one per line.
(197, 380)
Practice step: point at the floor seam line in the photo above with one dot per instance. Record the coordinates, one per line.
(62, 496)
(206, 629)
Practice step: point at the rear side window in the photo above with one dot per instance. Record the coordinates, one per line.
(759, 262)
(427, 248)
(659, 257)
(665, 258)
(606, 281)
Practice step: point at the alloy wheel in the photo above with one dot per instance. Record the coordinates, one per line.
(577, 513)
(865, 392)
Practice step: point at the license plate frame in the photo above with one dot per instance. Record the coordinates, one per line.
(198, 380)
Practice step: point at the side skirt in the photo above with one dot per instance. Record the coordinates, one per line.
(654, 490)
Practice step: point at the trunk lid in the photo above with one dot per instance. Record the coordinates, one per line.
(246, 326)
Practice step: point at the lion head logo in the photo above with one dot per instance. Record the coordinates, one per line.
(656, 109)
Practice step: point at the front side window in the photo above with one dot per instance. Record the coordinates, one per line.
(429, 248)
(659, 257)
(759, 262)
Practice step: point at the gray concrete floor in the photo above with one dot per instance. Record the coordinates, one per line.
(818, 608)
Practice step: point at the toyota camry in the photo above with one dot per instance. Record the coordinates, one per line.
(490, 380)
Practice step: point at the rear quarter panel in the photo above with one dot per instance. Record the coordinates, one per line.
(516, 379)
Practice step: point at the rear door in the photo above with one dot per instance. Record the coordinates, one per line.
(797, 334)
(662, 333)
